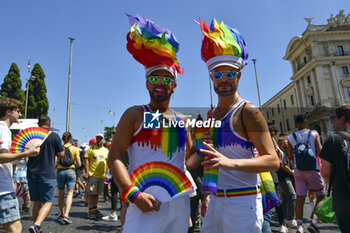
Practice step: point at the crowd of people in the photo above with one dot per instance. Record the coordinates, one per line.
(158, 192)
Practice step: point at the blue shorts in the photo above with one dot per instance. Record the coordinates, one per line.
(66, 177)
(9, 210)
(42, 189)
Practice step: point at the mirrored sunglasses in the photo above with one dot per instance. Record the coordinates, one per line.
(164, 79)
(219, 75)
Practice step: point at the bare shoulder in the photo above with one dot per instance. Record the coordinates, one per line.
(253, 118)
(133, 113)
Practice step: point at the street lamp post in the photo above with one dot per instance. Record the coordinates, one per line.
(110, 113)
(257, 83)
(68, 92)
(30, 78)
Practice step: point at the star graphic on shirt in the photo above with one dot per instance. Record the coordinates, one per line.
(156, 115)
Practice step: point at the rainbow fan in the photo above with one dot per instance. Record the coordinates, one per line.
(163, 180)
(29, 138)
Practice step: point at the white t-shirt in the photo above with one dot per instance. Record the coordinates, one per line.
(6, 182)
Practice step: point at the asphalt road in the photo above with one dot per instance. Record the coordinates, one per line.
(81, 223)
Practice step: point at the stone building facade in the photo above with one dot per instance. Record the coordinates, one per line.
(320, 61)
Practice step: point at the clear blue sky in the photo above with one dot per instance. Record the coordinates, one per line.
(105, 76)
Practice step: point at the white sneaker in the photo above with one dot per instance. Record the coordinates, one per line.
(110, 218)
(292, 223)
(283, 229)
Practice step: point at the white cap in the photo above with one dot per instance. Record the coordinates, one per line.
(171, 70)
(100, 135)
(225, 60)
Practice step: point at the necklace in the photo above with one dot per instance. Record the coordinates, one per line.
(226, 109)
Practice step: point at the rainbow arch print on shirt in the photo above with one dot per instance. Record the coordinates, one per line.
(164, 175)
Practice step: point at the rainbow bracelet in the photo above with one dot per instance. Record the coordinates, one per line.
(130, 193)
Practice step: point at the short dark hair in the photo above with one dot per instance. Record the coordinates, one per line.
(44, 120)
(301, 118)
(7, 103)
(343, 111)
(66, 136)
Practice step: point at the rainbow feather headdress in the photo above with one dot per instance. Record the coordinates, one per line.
(222, 45)
(153, 46)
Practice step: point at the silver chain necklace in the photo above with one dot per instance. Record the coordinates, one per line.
(226, 109)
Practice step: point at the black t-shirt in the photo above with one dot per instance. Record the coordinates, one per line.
(43, 166)
(283, 175)
(332, 153)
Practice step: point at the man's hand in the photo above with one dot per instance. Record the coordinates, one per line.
(107, 178)
(34, 151)
(146, 202)
(86, 176)
(215, 159)
(205, 204)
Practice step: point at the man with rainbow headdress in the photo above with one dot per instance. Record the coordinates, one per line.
(236, 206)
(156, 185)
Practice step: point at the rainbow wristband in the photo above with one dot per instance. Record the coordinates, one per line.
(130, 193)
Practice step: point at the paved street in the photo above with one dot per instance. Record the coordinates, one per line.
(82, 224)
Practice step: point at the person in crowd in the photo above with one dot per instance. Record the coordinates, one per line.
(335, 169)
(237, 204)
(66, 177)
(303, 147)
(95, 170)
(41, 175)
(9, 210)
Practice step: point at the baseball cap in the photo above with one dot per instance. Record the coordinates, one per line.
(100, 135)
(93, 140)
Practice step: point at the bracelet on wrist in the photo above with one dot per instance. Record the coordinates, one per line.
(130, 194)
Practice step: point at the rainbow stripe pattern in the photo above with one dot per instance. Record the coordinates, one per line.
(269, 196)
(151, 44)
(210, 179)
(169, 139)
(220, 39)
(162, 174)
(238, 192)
(130, 194)
(24, 138)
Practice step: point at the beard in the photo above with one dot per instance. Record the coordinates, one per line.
(230, 89)
(159, 98)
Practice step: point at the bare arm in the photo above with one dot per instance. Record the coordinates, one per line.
(127, 125)
(290, 151)
(259, 135)
(60, 154)
(192, 159)
(326, 170)
(86, 168)
(77, 161)
(6, 156)
(287, 169)
(318, 143)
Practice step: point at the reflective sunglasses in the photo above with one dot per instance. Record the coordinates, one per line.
(155, 79)
(219, 75)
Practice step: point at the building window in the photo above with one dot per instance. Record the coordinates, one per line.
(340, 50)
(345, 70)
(305, 61)
(308, 80)
(281, 128)
(278, 108)
(348, 92)
(268, 115)
(312, 100)
(284, 104)
(273, 112)
(287, 123)
(292, 99)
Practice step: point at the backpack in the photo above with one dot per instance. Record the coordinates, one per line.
(305, 158)
(346, 149)
(67, 160)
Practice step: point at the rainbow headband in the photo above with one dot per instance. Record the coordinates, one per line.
(152, 45)
(222, 45)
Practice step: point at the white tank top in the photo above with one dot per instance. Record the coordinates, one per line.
(157, 161)
(228, 142)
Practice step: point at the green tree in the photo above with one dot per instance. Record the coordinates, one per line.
(38, 103)
(12, 85)
(109, 132)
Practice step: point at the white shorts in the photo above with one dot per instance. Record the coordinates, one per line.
(234, 214)
(172, 217)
